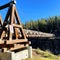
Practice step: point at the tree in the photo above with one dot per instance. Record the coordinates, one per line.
(42, 25)
(50, 24)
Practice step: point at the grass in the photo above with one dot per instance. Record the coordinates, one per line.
(43, 55)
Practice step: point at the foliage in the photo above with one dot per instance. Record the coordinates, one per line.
(43, 55)
(50, 24)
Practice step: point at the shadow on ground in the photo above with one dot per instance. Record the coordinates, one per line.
(46, 44)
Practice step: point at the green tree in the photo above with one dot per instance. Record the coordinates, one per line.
(42, 25)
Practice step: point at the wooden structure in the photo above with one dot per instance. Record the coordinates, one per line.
(12, 36)
(37, 34)
(0, 24)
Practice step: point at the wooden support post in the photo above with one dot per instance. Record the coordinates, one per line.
(1, 23)
(3, 35)
(16, 33)
(11, 22)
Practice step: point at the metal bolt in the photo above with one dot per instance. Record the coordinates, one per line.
(14, 1)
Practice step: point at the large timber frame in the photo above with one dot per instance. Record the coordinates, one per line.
(12, 36)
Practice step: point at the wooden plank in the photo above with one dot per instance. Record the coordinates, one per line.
(6, 5)
(12, 14)
(1, 42)
(11, 20)
(2, 35)
(7, 17)
(18, 47)
(16, 33)
(16, 41)
(23, 33)
(1, 20)
(1, 23)
(17, 17)
(17, 26)
(6, 45)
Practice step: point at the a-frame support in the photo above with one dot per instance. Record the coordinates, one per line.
(12, 31)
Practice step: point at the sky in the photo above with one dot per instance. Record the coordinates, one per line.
(34, 9)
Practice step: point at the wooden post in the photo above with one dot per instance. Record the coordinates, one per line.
(1, 23)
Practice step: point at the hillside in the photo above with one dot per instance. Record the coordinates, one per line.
(43, 55)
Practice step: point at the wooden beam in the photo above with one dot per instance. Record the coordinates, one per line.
(6, 5)
(11, 20)
(17, 17)
(16, 33)
(7, 17)
(1, 42)
(23, 33)
(18, 47)
(1, 23)
(1, 20)
(2, 35)
(17, 26)
(6, 45)
(16, 41)
(12, 14)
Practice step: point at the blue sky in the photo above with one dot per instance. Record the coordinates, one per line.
(34, 9)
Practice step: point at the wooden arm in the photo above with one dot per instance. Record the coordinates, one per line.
(6, 5)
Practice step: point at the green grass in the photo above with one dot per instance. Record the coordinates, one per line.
(43, 55)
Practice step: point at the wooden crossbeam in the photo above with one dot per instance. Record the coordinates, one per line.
(16, 41)
(1, 42)
(6, 5)
(6, 45)
(20, 47)
(17, 26)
